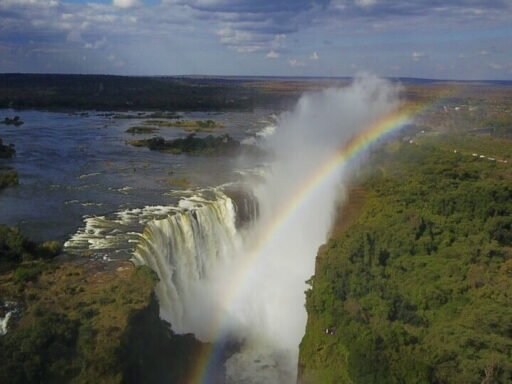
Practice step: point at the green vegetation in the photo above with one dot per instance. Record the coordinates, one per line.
(144, 115)
(137, 130)
(418, 288)
(15, 248)
(468, 144)
(24, 257)
(209, 145)
(6, 151)
(16, 121)
(104, 92)
(124, 93)
(188, 125)
(8, 178)
(181, 182)
(72, 324)
(84, 323)
(501, 127)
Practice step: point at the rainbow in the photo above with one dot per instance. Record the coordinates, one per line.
(377, 131)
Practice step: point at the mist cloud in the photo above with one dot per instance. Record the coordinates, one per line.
(264, 285)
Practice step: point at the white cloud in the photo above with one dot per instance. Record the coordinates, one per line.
(115, 61)
(98, 44)
(483, 52)
(296, 63)
(273, 55)
(338, 5)
(125, 3)
(249, 48)
(365, 3)
(250, 41)
(314, 56)
(74, 36)
(496, 66)
(241, 41)
(28, 3)
(229, 36)
(278, 42)
(417, 56)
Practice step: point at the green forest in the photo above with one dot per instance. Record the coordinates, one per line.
(418, 287)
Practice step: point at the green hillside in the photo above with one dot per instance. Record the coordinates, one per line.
(418, 288)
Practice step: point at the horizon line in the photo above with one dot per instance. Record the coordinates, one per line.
(255, 77)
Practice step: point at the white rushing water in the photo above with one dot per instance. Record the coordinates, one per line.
(4, 322)
(114, 236)
(185, 249)
(9, 309)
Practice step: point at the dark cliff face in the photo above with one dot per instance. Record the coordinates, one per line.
(152, 353)
(6, 151)
(8, 176)
(246, 205)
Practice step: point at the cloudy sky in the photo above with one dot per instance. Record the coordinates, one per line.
(464, 39)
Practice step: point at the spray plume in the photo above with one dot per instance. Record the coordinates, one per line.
(268, 299)
(255, 292)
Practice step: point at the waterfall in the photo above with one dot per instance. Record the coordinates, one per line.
(4, 321)
(9, 309)
(184, 243)
(185, 249)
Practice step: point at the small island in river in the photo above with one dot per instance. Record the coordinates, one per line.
(209, 145)
(16, 121)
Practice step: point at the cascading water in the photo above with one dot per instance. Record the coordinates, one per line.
(185, 248)
(4, 321)
(114, 236)
(8, 309)
(185, 244)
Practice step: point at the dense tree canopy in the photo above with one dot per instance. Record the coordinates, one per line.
(419, 288)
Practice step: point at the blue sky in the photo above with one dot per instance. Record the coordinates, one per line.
(457, 39)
